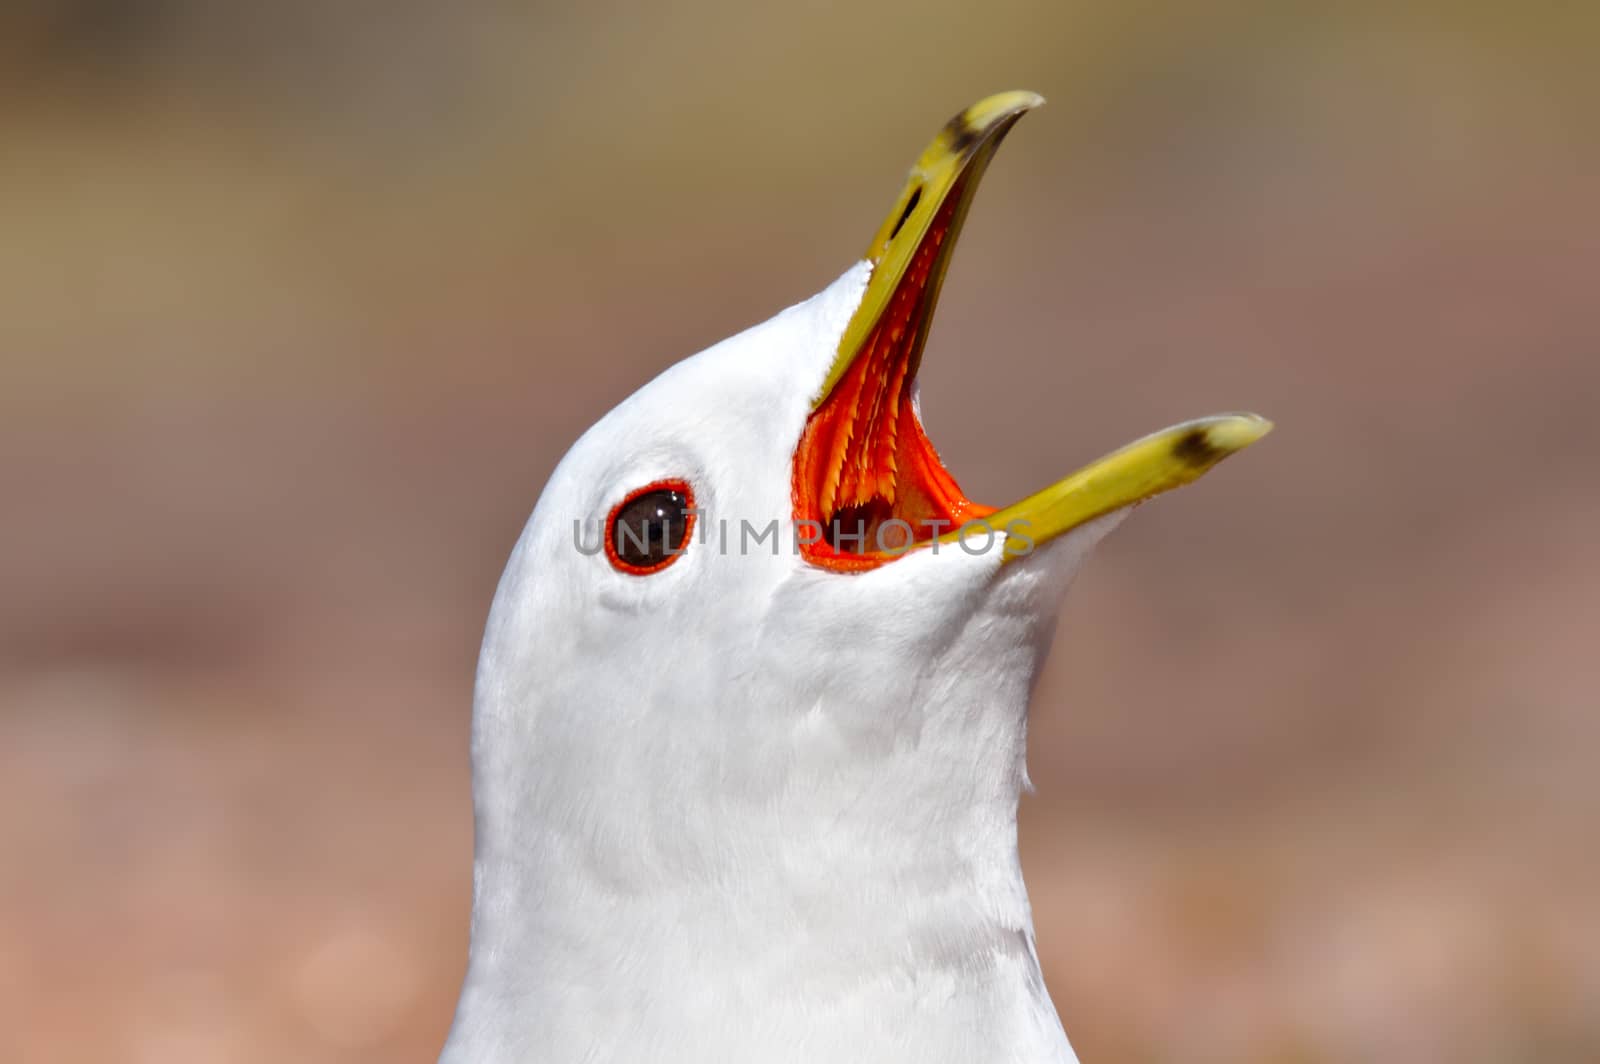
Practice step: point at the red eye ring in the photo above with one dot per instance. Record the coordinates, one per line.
(634, 567)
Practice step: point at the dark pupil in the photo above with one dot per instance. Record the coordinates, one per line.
(651, 528)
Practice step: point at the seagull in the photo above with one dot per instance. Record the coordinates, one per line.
(749, 722)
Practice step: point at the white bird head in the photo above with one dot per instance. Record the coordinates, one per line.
(748, 735)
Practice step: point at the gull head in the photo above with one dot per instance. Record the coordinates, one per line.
(749, 726)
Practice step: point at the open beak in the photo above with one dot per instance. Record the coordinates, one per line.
(866, 477)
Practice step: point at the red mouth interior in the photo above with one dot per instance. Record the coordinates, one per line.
(864, 459)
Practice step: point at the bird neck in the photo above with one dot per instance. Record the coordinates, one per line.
(868, 907)
(763, 861)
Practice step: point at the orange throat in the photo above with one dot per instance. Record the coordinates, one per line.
(868, 485)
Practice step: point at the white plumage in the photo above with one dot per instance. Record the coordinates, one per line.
(746, 809)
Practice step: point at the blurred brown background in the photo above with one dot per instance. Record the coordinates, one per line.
(300, 303)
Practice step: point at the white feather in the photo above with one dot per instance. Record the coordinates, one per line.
(746, 810)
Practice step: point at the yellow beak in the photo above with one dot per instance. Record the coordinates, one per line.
(948, 172)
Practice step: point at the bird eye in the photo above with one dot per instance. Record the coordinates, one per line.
(648, 529)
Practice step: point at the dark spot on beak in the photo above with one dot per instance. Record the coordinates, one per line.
(1194, 449)
(962, 135)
